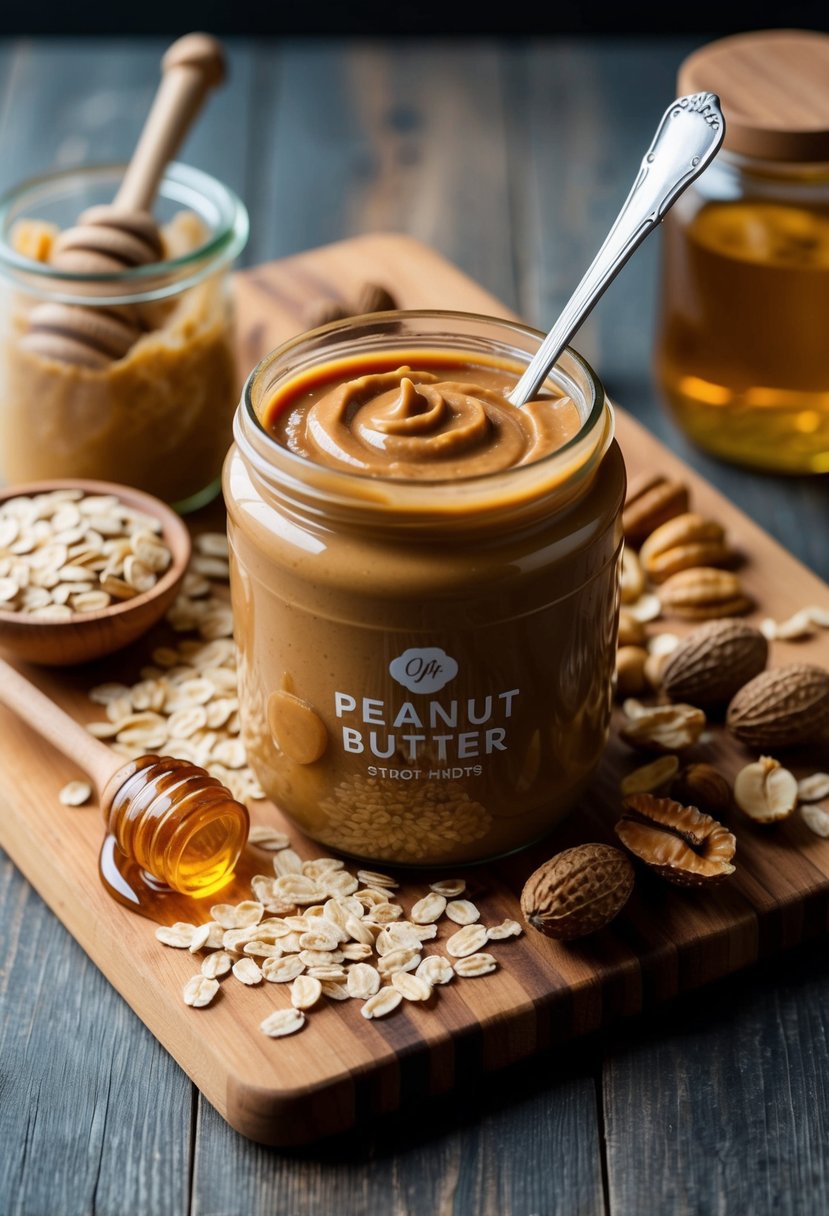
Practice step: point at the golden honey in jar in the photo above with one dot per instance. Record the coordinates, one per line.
(742, 354)
(425, 585)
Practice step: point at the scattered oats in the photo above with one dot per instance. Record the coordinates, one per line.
(283, 1021)
(381, 1003)
(405, 958)
(75, 793)
(467, 940)
(449, 887)
(411, 987)
(363, 981)
(462, 912)
(297, 889)
(215, 939)
(429, 909)
(260, 949)
(178, 935)
(384, 914)
(474, 965)
(330, 971)
(247, 971)
(814, 788)
(287, 862)
(282, 970)
(306, 990)
(336, 991)
(436, 970)
(357, 952)
(210, 567)
(211, 544)
(369, 878)
(816, 818)
(268, 838)
(201, 936)
(326, 937)
(199, 991)
(341, 883)
(359, 930)
(237, 916)
(236, 939)
(507, 928)
(321, 958)
(216, 965)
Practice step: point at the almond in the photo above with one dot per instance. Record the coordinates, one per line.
(714, 662)
(651, 501)
(684, 542)
(785, 707)
(577, 891)
(704, 592)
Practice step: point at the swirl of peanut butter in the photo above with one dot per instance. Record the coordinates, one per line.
(411, 423)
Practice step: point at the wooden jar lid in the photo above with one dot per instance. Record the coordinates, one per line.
(774, 89)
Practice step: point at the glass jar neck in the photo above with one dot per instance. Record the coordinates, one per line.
(493, 501)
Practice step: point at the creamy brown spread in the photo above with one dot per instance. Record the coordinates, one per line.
(425, 684)
(426, 416)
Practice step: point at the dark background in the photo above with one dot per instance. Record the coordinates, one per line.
(387, 17)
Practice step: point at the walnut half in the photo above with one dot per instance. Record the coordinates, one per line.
(680, 843)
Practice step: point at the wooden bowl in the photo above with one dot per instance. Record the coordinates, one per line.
(89, 635)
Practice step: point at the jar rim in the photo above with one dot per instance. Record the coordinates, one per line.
(276, 454)
(184, 184)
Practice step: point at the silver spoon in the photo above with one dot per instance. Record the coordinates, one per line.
(687, 138)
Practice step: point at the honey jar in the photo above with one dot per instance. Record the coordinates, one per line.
(424, 584)
(144, 392)
(742, 353)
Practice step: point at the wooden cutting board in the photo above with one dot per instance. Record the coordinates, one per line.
(341, 1068)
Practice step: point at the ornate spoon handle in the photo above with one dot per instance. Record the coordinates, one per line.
(688, 137)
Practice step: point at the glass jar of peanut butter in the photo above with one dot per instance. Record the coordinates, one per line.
(424, 583)
(126, 374)
(742, 354)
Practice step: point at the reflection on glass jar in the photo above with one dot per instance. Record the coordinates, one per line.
(426, 660)
(742, 353)
(155, 411)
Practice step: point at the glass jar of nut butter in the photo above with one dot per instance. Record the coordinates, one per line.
(424, 583)
(743, 353)
(125, 375)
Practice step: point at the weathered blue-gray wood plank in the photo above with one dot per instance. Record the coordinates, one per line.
(528, 1142)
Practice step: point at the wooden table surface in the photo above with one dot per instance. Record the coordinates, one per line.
(510, 158)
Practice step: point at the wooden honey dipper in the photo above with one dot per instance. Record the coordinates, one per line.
(123, 234)
(166, 820)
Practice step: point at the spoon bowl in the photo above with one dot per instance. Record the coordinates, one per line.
(90, 635)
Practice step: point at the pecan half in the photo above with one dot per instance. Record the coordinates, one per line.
(650, 501)
(703, 593)
(678, 842)
(684, 542)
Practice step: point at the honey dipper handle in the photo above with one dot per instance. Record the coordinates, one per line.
(191, 67)
(56, 726)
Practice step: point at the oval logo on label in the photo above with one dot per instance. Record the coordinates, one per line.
(424, 670)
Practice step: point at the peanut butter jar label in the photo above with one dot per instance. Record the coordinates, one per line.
(431, 739)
